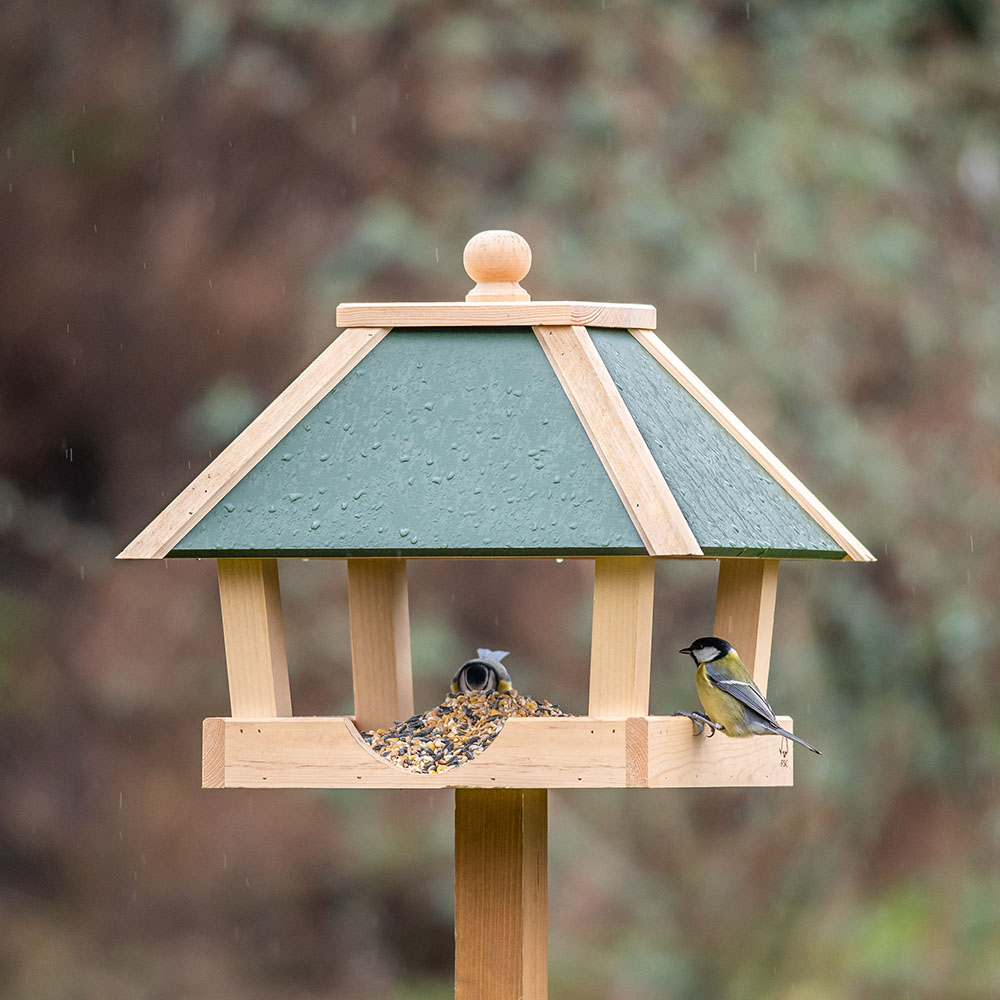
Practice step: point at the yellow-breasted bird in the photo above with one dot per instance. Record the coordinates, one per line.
(731, 700)
(485, 673)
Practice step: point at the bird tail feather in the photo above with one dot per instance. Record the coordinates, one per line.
(797, 739)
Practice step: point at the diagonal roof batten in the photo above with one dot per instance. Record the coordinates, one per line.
(752, 444)
(617, 441)
(229, 467)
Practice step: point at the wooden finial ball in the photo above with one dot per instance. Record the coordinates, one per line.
(497, 260)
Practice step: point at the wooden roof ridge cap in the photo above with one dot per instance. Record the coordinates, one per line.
(497, 260)
(249, 446)
(756, 448)
(530, 312)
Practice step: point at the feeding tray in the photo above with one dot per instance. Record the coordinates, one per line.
(566, 752)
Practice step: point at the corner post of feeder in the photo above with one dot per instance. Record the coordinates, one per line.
(254, 633)
(501, 894)
(621, 636)
(379, 610)
(744, 611)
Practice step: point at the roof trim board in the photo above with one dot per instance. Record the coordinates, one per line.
(617, 441)
(262, 434)
(752, 444)
(518, 313)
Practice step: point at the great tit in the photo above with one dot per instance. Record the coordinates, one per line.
(731, 700)
(485, 673)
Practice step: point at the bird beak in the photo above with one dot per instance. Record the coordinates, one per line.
(688, 650)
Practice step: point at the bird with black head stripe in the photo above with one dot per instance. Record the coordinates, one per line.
(731, 700)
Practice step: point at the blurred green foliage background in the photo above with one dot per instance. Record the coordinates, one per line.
(810, 195)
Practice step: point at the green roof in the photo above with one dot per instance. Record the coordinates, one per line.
(734, 507)
(463, 441)
(440, 442)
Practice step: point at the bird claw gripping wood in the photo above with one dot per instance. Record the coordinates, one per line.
(700, 720)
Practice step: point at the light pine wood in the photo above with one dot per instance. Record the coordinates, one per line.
(497, 260)
(665, 752)
(744, 611)
(380, 641)
(213, 753)
(235, 461)
(501, 894)
(617, 441)
(753, 445)
(574, 752)
(621, 636)
(254, 633)
(319, 752)
(531, 313)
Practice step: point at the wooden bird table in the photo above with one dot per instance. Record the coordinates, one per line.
(589, 412)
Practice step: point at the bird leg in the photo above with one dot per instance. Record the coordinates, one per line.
(700, 720)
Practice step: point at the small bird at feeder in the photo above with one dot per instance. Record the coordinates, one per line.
(728, 695)
(484, 673)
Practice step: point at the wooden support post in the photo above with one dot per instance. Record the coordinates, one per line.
(744, 611)
(621, 636)
(254, 634)
(501, 894)
(380, 641)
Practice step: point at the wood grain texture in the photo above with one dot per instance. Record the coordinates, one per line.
(617, 441)
(164, 531)
(744, 611)
(213, 753)
(321, 752)
(754, 446)
(380, 641)
(665, 752)
(531, 313)
(254, 633)
(574, 752)
(621, 636)
(501, 894)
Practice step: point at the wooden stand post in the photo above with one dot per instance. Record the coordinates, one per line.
(501, 894)
(621, 636)
(744, 611)
(254, 633)
(380, 641)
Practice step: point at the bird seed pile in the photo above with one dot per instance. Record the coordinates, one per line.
(456, 731)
